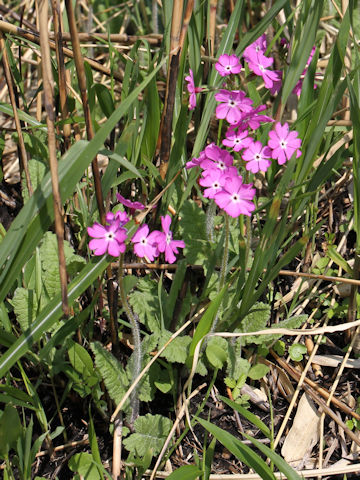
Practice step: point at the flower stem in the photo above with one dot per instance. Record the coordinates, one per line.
(134, 400)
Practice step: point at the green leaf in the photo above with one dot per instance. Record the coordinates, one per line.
(258, 371)
(296, 352)
(84, 464)
(217, 351)
(186, 472)
(145, 303)
(205, 324)
(81, 360)
(289, 473)
(178, 350)
(50, 263)
(256, 319)
(10, 430)
(242, 452)
(52, 313)
(25, 303)
(37, 170)
(163, 381)
(150, 430)
(115, 377)
(193, 231)
(105, 99)
(249, 416)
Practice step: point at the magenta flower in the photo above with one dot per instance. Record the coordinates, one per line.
(257, 157)
(195, 162)
(232, 104)
(107, 238)
(131, 205)
(228, 64)
(145, 243)
(216, 158)
(284, 143)
(251, 119)
(258, 46)
(165, 243)
(192, 89)
(259, 64)
(119, 215)
(277, 84)
(237, 140)
(214, 180)
(235, 198)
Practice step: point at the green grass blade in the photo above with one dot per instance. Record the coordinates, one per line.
(186, 472)
(303, 47)
(289, 472)
(249, 416)
(242, 452)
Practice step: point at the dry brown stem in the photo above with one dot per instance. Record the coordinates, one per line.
(50, 119)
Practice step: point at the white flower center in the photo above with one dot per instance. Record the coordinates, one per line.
(283, 144)
(110, 236)
(258, 157)
(143, 241)
(216, 185)
(232, 103)
(228, 68)
(261, 68)
(168, 238)
(235, 198)
(221, 165)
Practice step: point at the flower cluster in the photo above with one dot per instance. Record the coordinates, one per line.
(220, 177)
(111, 238)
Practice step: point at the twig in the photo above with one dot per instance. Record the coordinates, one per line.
(9, 81)
(50, 120)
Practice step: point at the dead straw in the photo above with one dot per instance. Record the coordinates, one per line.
(62, 72)
(48, 83)
(21, 146)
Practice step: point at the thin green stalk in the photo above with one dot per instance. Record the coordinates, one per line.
(225, 258)
(134, 401)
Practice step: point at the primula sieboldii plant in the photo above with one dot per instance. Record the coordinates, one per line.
(111, 238)
(222, 172)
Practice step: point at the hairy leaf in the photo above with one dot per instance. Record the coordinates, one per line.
(150, 430)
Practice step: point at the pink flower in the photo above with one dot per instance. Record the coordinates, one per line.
(259, 64)
(237, 140)
(228, 64)
(232, 104)
(277, 84)
(131, 205)
(145, 243)
(122, 216)
(192, 89)
(257, 157)
(258, 46)
(195, 162)
(284, 143)
(107, 238)
(251, 119)
(214, 180)
(235, 197)
(165, 243)
(216, 158)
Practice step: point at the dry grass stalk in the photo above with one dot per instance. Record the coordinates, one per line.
(80, 70)
(48, 83)
(62, 71)
(7, 27)
(212, 26)
(163, 145)
(21, 147)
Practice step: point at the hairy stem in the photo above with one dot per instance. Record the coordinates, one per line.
(134, 400)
